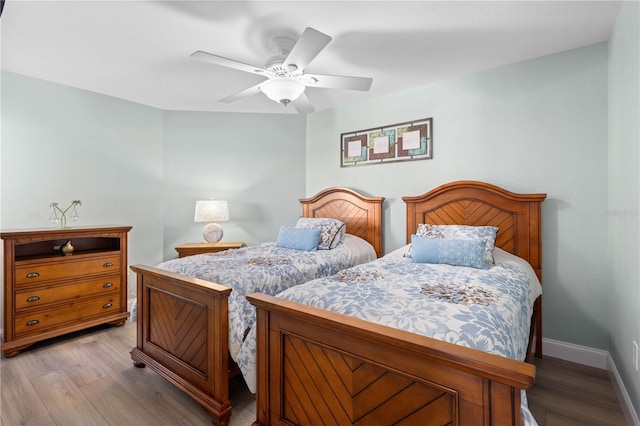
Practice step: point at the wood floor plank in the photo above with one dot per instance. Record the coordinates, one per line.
(566, 393)
(113, 356)
(35, 363)
(41, 421)
(117, 405)
(66, 404)
(20, 404)
(175, 408)
(557, 419)
(77, 366)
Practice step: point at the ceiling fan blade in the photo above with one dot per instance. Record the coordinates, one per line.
(310, 43)
(229, 63)
(243, 94)
(339, 82)
(302, 104)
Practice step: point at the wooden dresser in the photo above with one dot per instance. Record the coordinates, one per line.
(47, 293)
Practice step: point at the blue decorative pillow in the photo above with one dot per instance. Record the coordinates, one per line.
(298, 238)
(332, 230)
(463, 232)
(447, 250)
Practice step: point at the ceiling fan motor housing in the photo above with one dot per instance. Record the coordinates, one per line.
(275, 65)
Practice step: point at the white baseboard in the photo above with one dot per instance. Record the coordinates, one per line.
(623, 395)
(575, 353)
(596, 358)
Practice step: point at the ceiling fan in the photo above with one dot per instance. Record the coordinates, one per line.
(286, 80)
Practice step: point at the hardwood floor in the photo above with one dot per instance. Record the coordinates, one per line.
(568, 394)
(88, 379)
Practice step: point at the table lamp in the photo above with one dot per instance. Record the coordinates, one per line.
(211, 211)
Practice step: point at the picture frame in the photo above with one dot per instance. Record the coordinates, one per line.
(354, 148)
(408, 141)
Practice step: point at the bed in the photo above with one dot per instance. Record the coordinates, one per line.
(183, 322)
(316, 366)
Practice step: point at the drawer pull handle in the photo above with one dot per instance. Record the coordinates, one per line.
(33, 275)
(32, 322)
(107, 305)
(107, 285)
(33, 298)
(107, 265)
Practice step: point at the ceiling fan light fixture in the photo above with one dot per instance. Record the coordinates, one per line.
(282, 90)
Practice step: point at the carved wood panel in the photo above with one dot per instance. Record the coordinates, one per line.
(477, 213)
(178, 327)
(323, 386)
(352, 215)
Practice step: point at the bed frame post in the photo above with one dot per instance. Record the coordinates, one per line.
(262, 372)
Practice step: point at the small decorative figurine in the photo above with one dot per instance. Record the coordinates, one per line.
(67, 248)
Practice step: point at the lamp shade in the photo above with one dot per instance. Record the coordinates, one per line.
(211, 211)
(283, 90)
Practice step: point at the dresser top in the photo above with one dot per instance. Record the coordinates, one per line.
(62, 232)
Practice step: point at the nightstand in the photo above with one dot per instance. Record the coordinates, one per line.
(189, 249)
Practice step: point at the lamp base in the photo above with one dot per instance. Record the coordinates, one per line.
(212, 233)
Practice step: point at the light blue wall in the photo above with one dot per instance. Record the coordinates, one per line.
(254, 161)
(535, 126)
(624, 194)
(61, 144)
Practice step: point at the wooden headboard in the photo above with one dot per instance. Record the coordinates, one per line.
(517, 216)
(361, 214)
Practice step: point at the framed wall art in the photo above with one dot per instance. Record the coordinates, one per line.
(408, 141)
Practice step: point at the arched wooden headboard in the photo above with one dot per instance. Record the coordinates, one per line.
(361, 214)
(517, 216)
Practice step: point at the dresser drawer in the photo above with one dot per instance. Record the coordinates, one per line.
(73, 312)
(28, 298)
(34, 272)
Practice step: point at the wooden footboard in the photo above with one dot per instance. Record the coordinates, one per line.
(183, 336)
(318, 367)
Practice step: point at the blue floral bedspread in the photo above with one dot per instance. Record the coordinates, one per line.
(485, 309)
(263, 268)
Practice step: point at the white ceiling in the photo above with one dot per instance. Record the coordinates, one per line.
(139, 50)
